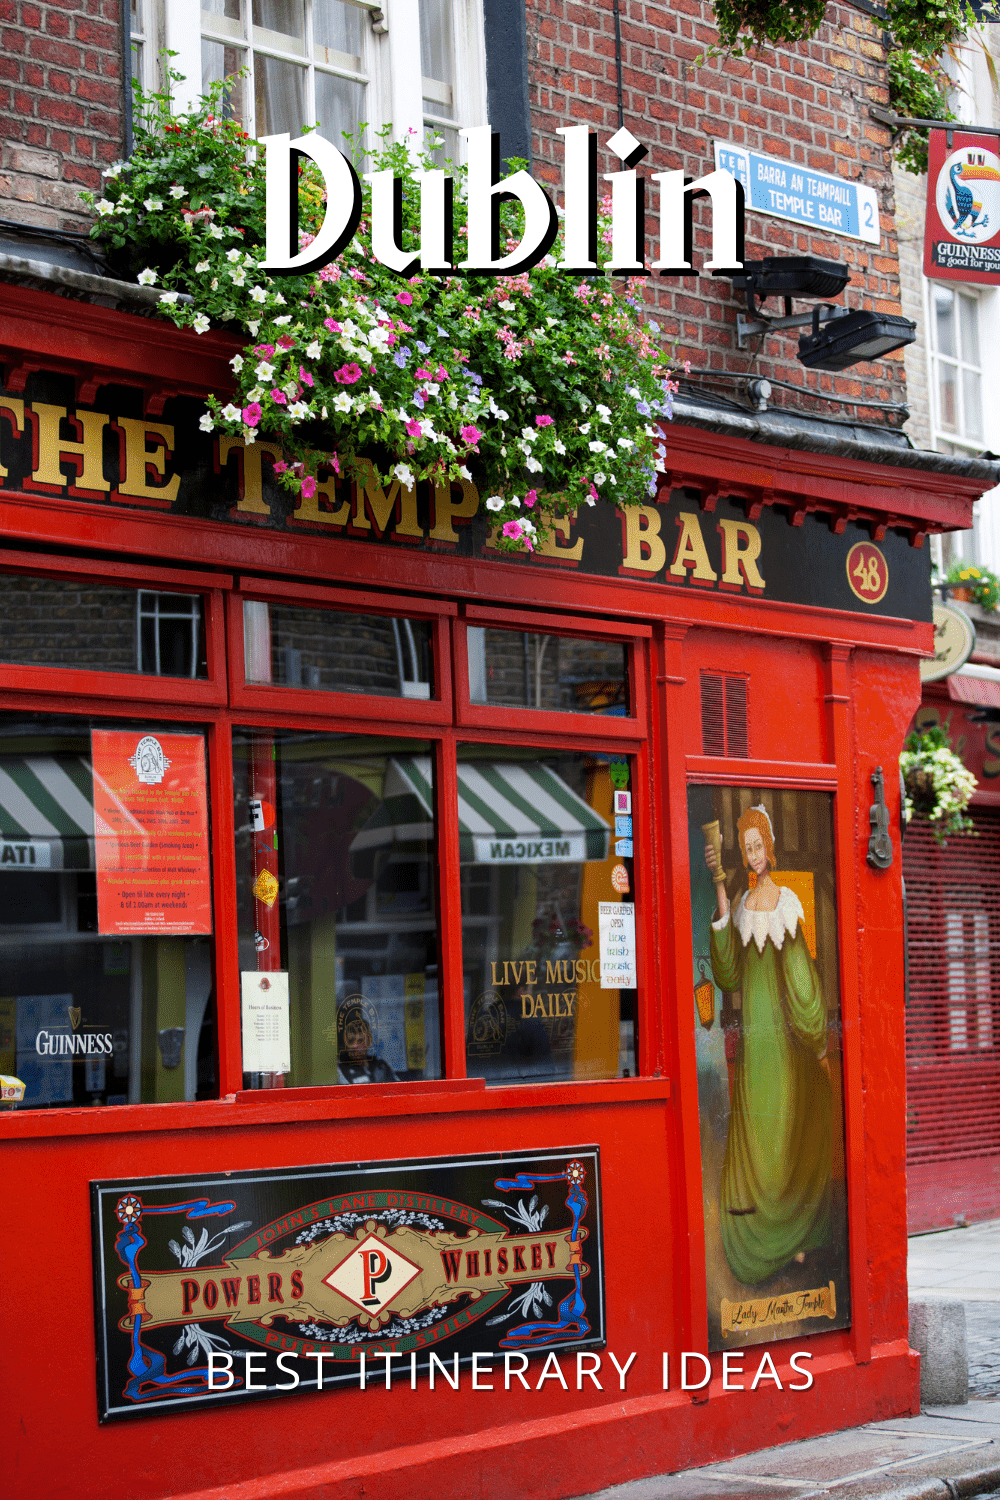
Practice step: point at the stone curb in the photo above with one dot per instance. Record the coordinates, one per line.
(958, 1487)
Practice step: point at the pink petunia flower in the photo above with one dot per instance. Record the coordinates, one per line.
(513, 529)
(405, 297)
(305, 377)
(470, 434)
(308, 487)
(333, 325)
(424, 375)
(252, 414)
(441, 373)
(279, 397)
(266, 350)
(414, 429)
(543, 421)
(280, 466)
(347, 374)
(530, 499)
(286, 341)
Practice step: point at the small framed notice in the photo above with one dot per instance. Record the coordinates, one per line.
(616, 934)
(266, 1047)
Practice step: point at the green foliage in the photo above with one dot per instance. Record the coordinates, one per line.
(542, 388)
(918, 89)
(983, 585)
(760, 23)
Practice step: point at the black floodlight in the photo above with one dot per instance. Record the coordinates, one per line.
(837, 343)
(792, 276)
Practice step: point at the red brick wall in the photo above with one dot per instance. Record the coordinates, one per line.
(808, 103)
(61, 119)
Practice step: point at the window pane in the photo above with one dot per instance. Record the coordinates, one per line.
(969, 314)
(218, 62)
(972, 409)
(228, 8)
(944, 320)
(542, 851)
(279, 96)
(105, 1004)
(437, 56)
(947, 395)
(336, 878)
(340, 653)
(336, 26)
(284, 17)
(520, 669)
(56, 622)
(340, 106)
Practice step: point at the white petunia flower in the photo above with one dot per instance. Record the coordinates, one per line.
(506, 304)
(597, 446)
(279, 299)
(113, 170)
(495, 502)
(604, 412)
(216, 232)
(203, 266)
(258, 294)
(104, 207)
(264, 371)
(249, 436)
(559, 446)
(169, 297)
(146, 277)
(313, 350)
(532, 465)
(152, 205)
(404, 474)
(299, 410)
(200, 323)
(585, 428)
(253, 327)
(465, 472)
(207, 423)
(257, 394)
(232, 255)
(342, 401)
(284, 320)
(600, 479)
(177, 191)
(231, 413)
(236, 363)
(626, 443)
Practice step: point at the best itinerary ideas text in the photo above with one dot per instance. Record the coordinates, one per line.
(376, 1368)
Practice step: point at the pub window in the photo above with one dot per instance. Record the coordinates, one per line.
(105, 912)
(554, 673)
(68, 622)
(288, 645)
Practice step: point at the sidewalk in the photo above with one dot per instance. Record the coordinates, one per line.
(947, 1453)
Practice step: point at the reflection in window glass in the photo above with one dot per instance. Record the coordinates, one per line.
(520, 669)
(92, 1016)
(57, 622)
(336, 887)
(542, 849)
(341, 653)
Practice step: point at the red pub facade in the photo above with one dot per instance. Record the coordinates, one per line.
(389, 771)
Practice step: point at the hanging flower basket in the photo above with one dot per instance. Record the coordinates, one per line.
(938, 786)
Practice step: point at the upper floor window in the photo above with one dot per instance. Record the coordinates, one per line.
(337, 65)
(956, 379)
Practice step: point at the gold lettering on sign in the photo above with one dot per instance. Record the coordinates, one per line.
(13, 409)
(788, 1307)
(308, 507)
(87, 454)
(691, 551)
(370, 496)
(137, 460)
(447, 510)
(740, 562)
(644, 550)
(250, 460)
(551, 547)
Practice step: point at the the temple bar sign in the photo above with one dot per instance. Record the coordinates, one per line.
(118, 457)
(789, 190)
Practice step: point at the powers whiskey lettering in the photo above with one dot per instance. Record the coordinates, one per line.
(298, 1273)
(118, 457)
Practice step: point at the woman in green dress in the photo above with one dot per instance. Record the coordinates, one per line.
(775, 1190)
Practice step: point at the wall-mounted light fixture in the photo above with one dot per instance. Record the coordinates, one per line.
(837, 339)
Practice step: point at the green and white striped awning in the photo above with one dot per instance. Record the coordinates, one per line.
(46, 813)
(509, 813)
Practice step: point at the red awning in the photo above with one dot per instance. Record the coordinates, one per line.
(967, 689)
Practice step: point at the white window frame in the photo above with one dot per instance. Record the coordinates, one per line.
(390, 43)
(939, 433)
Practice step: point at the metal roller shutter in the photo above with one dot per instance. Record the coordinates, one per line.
(953, 1024)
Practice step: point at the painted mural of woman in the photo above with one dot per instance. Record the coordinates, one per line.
(775, 1191)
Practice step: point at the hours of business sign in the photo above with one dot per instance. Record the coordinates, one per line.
(211, 1289)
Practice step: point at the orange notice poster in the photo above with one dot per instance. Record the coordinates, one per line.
(151, 832)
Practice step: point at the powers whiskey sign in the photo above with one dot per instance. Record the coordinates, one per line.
(212, 1289)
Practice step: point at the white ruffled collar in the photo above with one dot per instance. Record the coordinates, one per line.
(761, 925)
